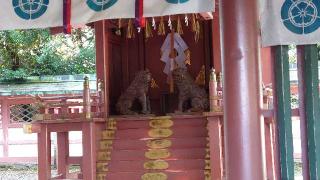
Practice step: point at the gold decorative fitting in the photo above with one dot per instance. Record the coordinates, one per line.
(159, 143)
(154, 176)
(104, 156)
(106, 145)
(157, 154)
(213, 75)
(112, 124)
(27, 128)
(207, 175)
(156, 165)
(207, 153)
(207, 165)
(102, 167)
(86, 82)
(163, 123)
(217, 109)
(101, 176)
(160, 133)
(109, 134)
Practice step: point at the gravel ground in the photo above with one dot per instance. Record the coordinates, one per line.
(18, 175)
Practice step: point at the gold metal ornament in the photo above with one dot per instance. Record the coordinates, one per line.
(163, 123)
(102, 167)
(159, 143)
(157, 154)
(101, 176)
(154, 84)
(118, 31)
(130, 31)
(156, 165)
(160, 133)
(179, 26)
(104, 156)
(154, 176)
(106, 145)
(161, 28)
(108, 134)
(201, 78)
(188, 57)
(148, 30)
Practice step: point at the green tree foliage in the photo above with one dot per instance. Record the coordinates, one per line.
(26, 53)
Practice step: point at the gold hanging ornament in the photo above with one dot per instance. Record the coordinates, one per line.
(161, 28)
(154, 84)
(130, 32)
(179, 26)
(118, 31)
(188, 57)
(148, 30)
(201, 78)
(196, 27)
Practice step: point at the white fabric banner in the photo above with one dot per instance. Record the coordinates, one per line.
(154, 8)
(286, 22)
(27, 14)
(94, 10)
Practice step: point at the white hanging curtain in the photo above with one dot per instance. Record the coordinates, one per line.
(154, 8)
(83, 12)
(286, 22)
(26, 14)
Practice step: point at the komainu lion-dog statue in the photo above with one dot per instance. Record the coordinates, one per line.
(138, 89)
(189, 90)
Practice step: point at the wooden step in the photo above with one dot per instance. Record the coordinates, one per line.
(148, 123)
(167, 154)
(142, 166)
(171, 175)
(132, 144)
(186, 132)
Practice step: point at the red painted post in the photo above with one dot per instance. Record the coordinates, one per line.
(5, 122)
(216, 159)
(216, 43)
(269, 149)
(89, 140)
(242, 90)
(44, 153)
(63, 153)
(102, 60)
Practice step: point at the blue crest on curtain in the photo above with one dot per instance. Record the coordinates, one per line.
(30, 9)
(301, 16)
(100, 5)
(177, 1)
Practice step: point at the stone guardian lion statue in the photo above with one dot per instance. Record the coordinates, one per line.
(138, 89)
(189, 90)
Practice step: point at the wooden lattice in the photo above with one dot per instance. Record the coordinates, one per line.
(22, 113)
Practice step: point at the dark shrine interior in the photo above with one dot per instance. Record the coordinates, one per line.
(128, 56)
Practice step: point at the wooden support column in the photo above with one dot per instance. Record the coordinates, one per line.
(63, 153)
(44, 153)
(5, 112)
(242, 90)
(312, 107)
(89, 159)
(283, 111)
(216, 42)
(102, 60)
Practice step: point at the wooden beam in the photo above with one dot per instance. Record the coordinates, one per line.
(283, 111)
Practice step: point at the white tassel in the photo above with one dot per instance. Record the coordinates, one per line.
(154, 25)
(186, 20)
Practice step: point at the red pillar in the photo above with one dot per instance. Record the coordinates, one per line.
(102, 59)
(242, 85)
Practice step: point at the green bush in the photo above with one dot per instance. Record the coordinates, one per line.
(18, 76)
